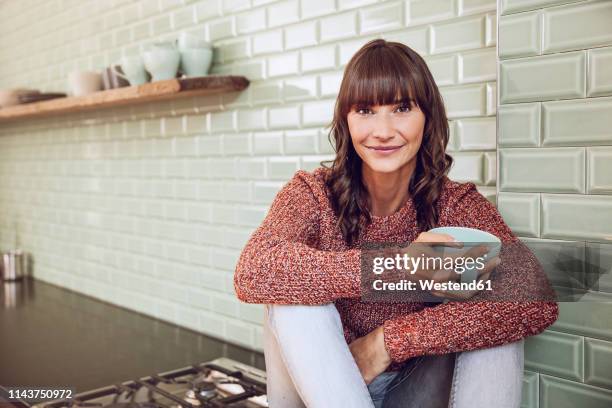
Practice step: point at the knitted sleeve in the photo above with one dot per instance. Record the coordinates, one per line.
(280, 263)
(463, 326)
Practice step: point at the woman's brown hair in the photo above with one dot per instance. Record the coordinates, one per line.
(383, 73)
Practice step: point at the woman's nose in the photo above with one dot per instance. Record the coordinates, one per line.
(383, 127)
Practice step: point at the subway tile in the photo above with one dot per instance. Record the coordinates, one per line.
(252, 119)
(319, 58)
(266, 92)
(530, 396)
(286, 63)
(301, 35)
(529, 79)
(521, 211)
(348, 4)
(514, 6)
(557, 354)
(237, 144)
(468, 166)
(591, 317)
(458, 35)
(234, 49)
(478, 66)
(282, 168)
(300, 88)
(284, 117)
(443, 68)
(576, 217)
(233, 6)
(330, 83)
(310, 163)
(476, 134)
(222, 121)
(346, 49)
(598, 362)
(283, 12)
(578, 122)
(183, 18)
(559, 170)
(475, 6)
(264, 192)
(313, 8)
(253, 20)
(251, 168)
(267, 42)
(489, 193)
(556, 392)
(426, 11)
(577, 26)
(338, 26)
(464, 101)
(519, 125)
(491, 95)
(317, 113)
(302, 141)
(490, 30)
(564, 261)
(599, 266)
(490, 169)
(415, 38)
(254, 70)
(599, 170)
(267, 143)
(381, 18)
(223, 168)
(519, 35)
(600, 72)
(324, 143)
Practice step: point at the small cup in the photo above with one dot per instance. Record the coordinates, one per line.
(133, 70)
(162, 63)
(470, 237)
(84, 82)
(188, 41)
(196, 62)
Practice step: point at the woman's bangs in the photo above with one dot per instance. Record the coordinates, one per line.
(380, 81)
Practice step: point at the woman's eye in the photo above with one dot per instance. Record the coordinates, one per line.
(363, 111)
(404, 108)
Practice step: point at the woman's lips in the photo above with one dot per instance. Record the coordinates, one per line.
(384, 150)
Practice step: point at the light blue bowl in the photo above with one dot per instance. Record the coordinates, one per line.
(470, 237)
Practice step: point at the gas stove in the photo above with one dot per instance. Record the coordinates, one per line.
(222, 382)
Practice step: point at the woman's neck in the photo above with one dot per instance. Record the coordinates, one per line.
(388, 192)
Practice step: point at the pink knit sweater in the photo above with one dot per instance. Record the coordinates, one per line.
(297, 256)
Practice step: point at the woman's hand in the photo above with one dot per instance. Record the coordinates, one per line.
(422, 246)
(370, 354)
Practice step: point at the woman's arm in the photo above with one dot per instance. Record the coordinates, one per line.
(462, 326)
(279, 263)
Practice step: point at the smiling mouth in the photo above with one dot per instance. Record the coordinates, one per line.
(384, 148)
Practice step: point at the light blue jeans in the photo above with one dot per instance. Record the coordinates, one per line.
(309, 364)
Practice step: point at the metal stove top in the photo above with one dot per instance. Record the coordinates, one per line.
(222, 382)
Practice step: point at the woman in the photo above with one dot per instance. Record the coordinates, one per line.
(323, 346)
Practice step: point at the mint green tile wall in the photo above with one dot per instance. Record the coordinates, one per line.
(148, 207)
(555, 138)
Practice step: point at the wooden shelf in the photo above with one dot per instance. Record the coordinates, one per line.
(152, 91)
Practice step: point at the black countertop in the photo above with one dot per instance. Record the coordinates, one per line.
(50, 336)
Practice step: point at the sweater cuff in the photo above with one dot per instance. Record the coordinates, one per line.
(397, 343)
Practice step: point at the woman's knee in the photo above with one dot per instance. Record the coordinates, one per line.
(302, 315)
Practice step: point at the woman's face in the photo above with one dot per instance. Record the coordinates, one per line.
(386, 137)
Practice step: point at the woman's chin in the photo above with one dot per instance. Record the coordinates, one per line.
(380, 167)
